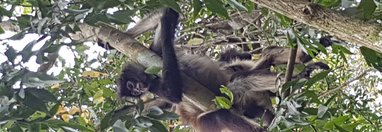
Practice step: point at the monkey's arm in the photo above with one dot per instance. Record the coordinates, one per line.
(172, 81)
(275, 55)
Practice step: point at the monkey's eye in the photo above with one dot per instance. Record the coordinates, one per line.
(130, 85)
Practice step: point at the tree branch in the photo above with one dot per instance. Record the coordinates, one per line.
(345, 84)
(338, 25)
(290, 67)
(194, 92)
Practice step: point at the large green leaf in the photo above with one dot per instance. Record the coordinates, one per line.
(367, 7)
(372, 57)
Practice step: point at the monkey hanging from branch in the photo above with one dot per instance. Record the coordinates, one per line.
(250, 82)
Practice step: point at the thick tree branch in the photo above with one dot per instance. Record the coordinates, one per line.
(194, 92)
(343, 27)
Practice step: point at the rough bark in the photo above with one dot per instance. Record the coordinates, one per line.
(333, 22)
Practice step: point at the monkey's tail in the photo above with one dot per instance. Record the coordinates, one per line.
(171, 73)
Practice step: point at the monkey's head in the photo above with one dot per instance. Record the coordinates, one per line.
(133, 81)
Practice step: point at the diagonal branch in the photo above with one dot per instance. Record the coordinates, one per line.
(338, 25)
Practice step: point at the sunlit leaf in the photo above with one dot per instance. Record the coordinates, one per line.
(93, 74)
(222, 102)
(195, 41)
(65, 117)
(98, 97)
(74, 110)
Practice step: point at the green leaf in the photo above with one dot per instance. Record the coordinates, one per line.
(216, 6)
(118, 114)
(339, 128)
(27, 53)
(15, 76)
(6, 91)
(36, 79)
(74, 12)
(321, 111)
(32, 101)
(157, 127)
(338, 120)
(367, 7)
(197, 5)
(372, 57)
(119, 126)
(15, 128)
(24, 21)
(59, 123)
(317, 78)
(165, 116)
(37, 115)
(155, 110)
(93, 18)
(237, 5)
(285, 21)
(42, 94)
(54, 109)
(172, 4)
(328, 3)
(121, 17)
(11, 54)
(4, 12)
(153, 70)
(105, 122)
(222, 102)
(226, 91)
(103, 4)
(1, 30)
(143, 122)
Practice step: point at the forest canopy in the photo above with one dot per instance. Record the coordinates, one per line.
(55, 77)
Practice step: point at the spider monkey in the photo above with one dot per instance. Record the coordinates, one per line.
(251, 92)
(133, 82)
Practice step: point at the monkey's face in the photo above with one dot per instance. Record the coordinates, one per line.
(137, 88)
(133, 82)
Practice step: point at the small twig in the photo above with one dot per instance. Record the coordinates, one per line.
(345, 84)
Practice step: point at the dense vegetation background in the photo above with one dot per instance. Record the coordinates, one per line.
(72, 88)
